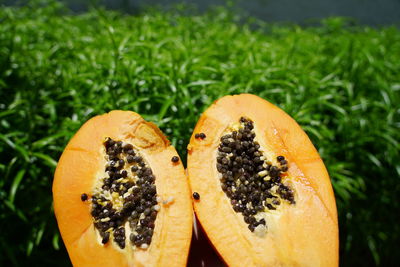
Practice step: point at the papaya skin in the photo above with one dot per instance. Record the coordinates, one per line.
(303, 234)
(78, 166)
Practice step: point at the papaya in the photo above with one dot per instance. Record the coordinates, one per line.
(260, 189)
(121, 195)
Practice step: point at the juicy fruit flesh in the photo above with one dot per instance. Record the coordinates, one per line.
(293, 229)
(81, 169)
(252, 183)
(126, 196)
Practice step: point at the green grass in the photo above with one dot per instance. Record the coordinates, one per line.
(339, 81)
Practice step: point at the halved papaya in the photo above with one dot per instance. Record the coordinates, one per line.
(260, 189)
(121, 196)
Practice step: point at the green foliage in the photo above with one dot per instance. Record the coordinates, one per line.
(340, 82)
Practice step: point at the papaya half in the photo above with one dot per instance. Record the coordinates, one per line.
(121, 196)
(260, 189)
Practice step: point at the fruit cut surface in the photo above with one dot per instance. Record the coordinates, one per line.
(119, 198)
(265, 197)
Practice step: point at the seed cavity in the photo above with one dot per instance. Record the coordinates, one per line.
(252, 183)
(125, 197)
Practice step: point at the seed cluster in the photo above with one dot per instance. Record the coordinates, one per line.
(127, 193)
(251, 182)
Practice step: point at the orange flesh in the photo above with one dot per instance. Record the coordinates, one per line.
(76, 173)
(303, 234)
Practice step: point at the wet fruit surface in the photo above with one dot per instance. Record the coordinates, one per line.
(265, 194)
(120, 196)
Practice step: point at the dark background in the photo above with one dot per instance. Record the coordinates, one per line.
(368, 12)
